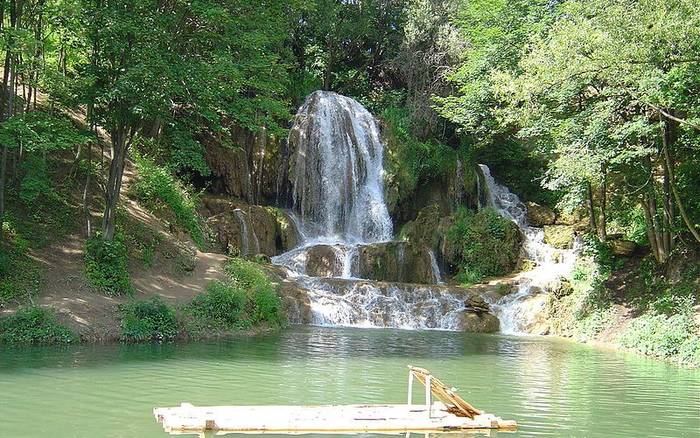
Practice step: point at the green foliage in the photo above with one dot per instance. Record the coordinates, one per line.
(106, 265)
(246, 299)
(160, 190)
(34, 325)
(674, 337)
(488, 244)
(148, 321)
(19, 275)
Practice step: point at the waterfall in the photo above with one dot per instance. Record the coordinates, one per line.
(337, 168)
(246, 234)
(337, 178)
(518, 310)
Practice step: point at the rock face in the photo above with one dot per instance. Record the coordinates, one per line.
(395, 261)
(248, 230)
(539, 215)
(230, 165)
(559, 236)
(622, 247)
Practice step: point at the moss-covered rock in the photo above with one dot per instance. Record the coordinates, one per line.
(540, 215)
(484, 244)
(560, 236)
(322, 261)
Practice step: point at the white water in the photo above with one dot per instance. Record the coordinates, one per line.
(338, 186)
(338, 193)
(519, 311)
(435, 267)
(246, 234)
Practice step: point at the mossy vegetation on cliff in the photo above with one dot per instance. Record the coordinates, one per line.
(486, 244)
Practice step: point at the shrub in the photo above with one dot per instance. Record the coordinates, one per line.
(487, 244)
(222, 306)
(34, 325)
(106, 265)
(148, 320)
(159, 190)
(264, 305)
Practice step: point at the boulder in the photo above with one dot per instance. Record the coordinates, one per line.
(477, 322)
(559, 236)
(622, 247)
(395, 261)
(322, 261)
(476, 304)
(540, 215)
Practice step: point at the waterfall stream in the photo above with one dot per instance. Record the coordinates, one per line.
(519, 310)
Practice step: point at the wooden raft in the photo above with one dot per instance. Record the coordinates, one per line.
(451, 414)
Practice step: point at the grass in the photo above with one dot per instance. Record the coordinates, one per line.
(34, 326)
(161, 192)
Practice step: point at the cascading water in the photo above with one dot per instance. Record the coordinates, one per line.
(337, 181)
(518, 310)
(338, 184)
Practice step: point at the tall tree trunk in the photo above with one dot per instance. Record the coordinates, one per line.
(591, 208)
(122, 138)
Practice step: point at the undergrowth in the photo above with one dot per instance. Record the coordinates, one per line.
(148, 321)
(34, 325)
(107, 265)
(161, 192)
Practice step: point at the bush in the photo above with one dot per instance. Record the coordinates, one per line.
(149, 320)
(106, 265)
(34, 325)
(222, 306)
(487, 244)
(159, 190)
(264, 305)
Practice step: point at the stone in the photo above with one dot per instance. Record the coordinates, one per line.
(559, 236)
(230, 165)
(539, 215)
(322, 261)
(477, 304)
(477, 322)
(622, 247)
(395, 261)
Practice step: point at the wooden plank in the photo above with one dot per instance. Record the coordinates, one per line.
(321, 419)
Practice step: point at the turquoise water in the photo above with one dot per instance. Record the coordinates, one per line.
(551, 387)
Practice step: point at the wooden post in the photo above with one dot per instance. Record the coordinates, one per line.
(410, 388)
(428, 401)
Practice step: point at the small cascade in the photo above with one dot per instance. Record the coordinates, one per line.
(247, 235)
(518, 311)
(435, 267)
